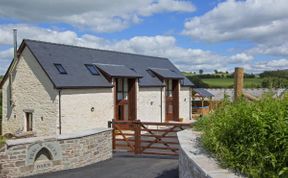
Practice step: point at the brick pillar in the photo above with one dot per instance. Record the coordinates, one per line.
(238, 82)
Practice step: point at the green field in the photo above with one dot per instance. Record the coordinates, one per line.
(228, 82)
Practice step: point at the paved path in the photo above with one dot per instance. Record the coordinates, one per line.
(123, 166)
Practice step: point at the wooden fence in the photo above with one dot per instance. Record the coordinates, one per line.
(146, 137)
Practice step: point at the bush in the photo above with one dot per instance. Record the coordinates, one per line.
(249, 137)
(2, 141)
(197, 82)
(275, 82)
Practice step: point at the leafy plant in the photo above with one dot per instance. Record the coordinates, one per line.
(249, 137)
(2, 141)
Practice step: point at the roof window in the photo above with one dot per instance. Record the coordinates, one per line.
(60, 68)
(92, 69)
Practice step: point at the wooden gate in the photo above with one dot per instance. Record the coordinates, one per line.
(146, 137)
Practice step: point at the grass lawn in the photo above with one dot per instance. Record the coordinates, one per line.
(228, 82)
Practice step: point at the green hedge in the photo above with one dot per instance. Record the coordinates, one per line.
(249, 137)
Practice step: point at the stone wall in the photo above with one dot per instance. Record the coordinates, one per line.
(24, 157)
(256, 92)
(194, 162)
(32, 90)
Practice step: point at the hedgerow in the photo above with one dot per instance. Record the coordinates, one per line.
(249, 137)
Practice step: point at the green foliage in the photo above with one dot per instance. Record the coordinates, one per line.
(273, 82)
(2, 141)
(277, 74)
(249, 137)
(220, 80)
(197, 82)
(229, 82)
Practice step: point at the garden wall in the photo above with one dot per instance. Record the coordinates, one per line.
(29, 156)
(194, 162)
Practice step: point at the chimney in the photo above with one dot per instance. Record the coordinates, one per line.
(238, 82)
(15, 43)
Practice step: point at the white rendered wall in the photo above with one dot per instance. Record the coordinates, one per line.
(149, 104)
(185, 103)
(76, 104)
(32, 90)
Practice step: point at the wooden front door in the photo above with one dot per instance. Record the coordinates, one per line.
(125, 99)
(172, 100)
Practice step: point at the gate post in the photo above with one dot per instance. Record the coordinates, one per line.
(137, 135)
(113, 134)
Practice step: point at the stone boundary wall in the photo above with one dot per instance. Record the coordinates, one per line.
(194, 162)
(36, 155)
(257, 92)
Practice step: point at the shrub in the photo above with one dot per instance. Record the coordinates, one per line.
(249, 137)
(275, 82)
(2, 141)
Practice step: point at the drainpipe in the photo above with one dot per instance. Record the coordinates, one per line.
(60, 124)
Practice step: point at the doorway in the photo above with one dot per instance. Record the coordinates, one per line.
(125, 99)
(172, 100)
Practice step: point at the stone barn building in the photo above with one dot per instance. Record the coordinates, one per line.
(52, 89)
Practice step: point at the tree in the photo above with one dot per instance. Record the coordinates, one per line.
(216, 71)
(201, 71)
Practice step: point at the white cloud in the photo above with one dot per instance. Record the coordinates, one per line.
(279, 64)
(187, 59)
(241, 58)
(261, 23)
(100, 15)
(255, 20)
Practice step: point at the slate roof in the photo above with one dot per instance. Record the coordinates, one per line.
(167, 74)
(74, 58)
(202, 92)
(118, 70)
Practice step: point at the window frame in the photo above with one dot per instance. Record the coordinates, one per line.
(29, 121)
(122, 89)
(169, 88)
(60, 68)
(89, 67)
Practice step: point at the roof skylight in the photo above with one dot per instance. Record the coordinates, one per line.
(92, 69)
(60, 68)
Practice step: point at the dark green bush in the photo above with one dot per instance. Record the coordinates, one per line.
(249, 137)
(275, 82)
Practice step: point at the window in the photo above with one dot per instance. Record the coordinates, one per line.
(122, 89)
(169, 88)
(60, 68)
(29, 121)
(92, 69)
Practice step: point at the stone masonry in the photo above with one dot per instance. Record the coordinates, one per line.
(194, 162)
(36, 155)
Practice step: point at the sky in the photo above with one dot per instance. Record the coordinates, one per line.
(194, 34)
